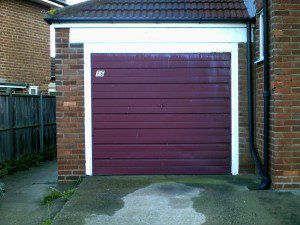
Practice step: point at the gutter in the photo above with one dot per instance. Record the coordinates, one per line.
(51, 3)
(60, 2)
(14, 85)
(51, 20)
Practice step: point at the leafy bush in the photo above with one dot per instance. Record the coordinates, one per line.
(1, 189)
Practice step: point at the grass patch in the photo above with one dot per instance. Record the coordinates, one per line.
(47, 222)
(56, 194)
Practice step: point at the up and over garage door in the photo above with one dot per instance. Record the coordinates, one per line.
(161, 114)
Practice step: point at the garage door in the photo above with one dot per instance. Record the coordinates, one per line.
(161, 114)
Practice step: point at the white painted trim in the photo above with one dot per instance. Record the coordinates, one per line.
(149, 25)
(88, 110)
(160, 38)
(261, 35)
(48, 3)
(52, 41)
(232, 48)
(157, 35)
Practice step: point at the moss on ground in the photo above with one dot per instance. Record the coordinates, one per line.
(47, 222)
(24, 163)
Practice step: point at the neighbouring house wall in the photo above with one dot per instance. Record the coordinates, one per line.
(25, 43)
(70, 108)
(246, 163)
(284, 20)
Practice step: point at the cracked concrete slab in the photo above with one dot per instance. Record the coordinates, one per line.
(161, 203)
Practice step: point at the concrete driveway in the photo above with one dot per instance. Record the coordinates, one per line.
(178, 200)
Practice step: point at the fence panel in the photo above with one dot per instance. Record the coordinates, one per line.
(49, 124)
(27, 126)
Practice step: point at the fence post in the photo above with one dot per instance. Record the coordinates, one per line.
(11, 125)
(41, 125)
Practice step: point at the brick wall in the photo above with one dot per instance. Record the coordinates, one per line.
(70, 108)
(25, 43)
(246, 163)
(285, 88)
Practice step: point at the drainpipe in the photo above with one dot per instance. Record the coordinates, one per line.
(250, 105)
(261, 172)
(266, 182)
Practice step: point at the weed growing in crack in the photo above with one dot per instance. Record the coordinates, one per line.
(56, 194)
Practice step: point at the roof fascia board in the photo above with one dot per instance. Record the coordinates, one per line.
(149, 25)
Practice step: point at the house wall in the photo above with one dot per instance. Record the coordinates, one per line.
(70, 108)
(284, 19)
(24, 41)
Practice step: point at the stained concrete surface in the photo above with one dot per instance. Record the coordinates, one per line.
(21, 204)
(208, 199)
(161, 203)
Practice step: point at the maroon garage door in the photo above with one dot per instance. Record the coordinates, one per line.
(161, 114)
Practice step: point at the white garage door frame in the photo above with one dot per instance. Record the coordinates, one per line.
(178, 38)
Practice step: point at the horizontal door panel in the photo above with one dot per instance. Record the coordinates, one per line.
(160, 64)
(165, 72)
(161, 118)
(162, 125)
(158, 102)
(179, 154)
(158, 132)
(175, 94)
(100, 57)
(127, 148)
(159, 162)
(162, 140)
(162, 170)
(124, 88)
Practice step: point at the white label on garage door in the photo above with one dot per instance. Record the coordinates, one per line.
(100, 73)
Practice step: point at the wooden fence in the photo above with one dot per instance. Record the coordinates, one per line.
(27, 126)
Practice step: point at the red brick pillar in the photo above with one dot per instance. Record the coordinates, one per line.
(70, 108)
